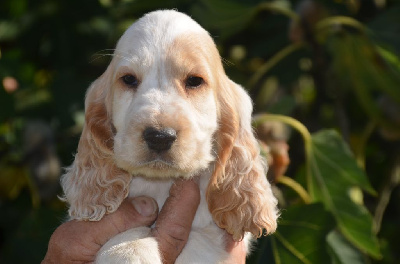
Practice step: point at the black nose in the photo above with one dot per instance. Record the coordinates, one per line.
(159, 139)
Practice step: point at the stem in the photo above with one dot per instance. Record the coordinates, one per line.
(301, 129)
(279, 9)
(293, 250)
(295, 186)
(259, 119)
(340, 20)
(359, 151)
(272, 62)
(385, 195)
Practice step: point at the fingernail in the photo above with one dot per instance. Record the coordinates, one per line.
(144, 205)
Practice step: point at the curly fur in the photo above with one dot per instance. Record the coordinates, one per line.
(238, 185)
(93, 185)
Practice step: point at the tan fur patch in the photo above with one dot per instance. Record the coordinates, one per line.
(193, 55)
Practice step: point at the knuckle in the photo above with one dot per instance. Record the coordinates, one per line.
(175, 236)
(178, 232)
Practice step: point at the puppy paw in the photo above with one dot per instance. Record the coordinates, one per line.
(130, 247)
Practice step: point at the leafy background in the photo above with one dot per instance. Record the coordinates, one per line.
(325, 78)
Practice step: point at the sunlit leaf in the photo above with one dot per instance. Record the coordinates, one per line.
(333, 172)
(390, 57)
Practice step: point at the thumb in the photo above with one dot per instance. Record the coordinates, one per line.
(133, 212)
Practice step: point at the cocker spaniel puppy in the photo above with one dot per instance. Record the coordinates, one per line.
(164, 109)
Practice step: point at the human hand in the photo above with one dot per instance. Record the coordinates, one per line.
(79, 241)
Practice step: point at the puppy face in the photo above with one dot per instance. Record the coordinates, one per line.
(164, 107)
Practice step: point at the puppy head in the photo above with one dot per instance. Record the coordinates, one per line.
(153, 113)
(165, 108)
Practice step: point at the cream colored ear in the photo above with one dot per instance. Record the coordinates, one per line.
(239, 195)
(93, 186)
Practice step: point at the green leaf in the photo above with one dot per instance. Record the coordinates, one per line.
(332, 173)
(342, 251)
(227, 17)
(301, 236)
(230, 17)
(333, 154)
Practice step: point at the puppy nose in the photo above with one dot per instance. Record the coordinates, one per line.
(159, 139)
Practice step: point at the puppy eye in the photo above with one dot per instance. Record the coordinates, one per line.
(130, 80)
(193, 82)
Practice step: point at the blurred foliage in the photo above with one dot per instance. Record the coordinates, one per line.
(328, 69)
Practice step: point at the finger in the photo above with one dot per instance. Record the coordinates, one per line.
(175, 219)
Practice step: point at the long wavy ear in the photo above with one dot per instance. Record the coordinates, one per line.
(93, 185)
(239, 196)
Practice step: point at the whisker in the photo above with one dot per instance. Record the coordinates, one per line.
(227, 62)
(116, 53)
(99, 56)
(112, 50)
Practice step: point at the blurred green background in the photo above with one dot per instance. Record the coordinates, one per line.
(333, 65)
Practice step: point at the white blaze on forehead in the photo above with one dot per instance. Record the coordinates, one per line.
(155, 29)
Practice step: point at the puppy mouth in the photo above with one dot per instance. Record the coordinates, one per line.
(160, 169)
(158, 164)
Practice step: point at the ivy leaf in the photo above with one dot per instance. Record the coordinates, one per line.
(333, 171)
